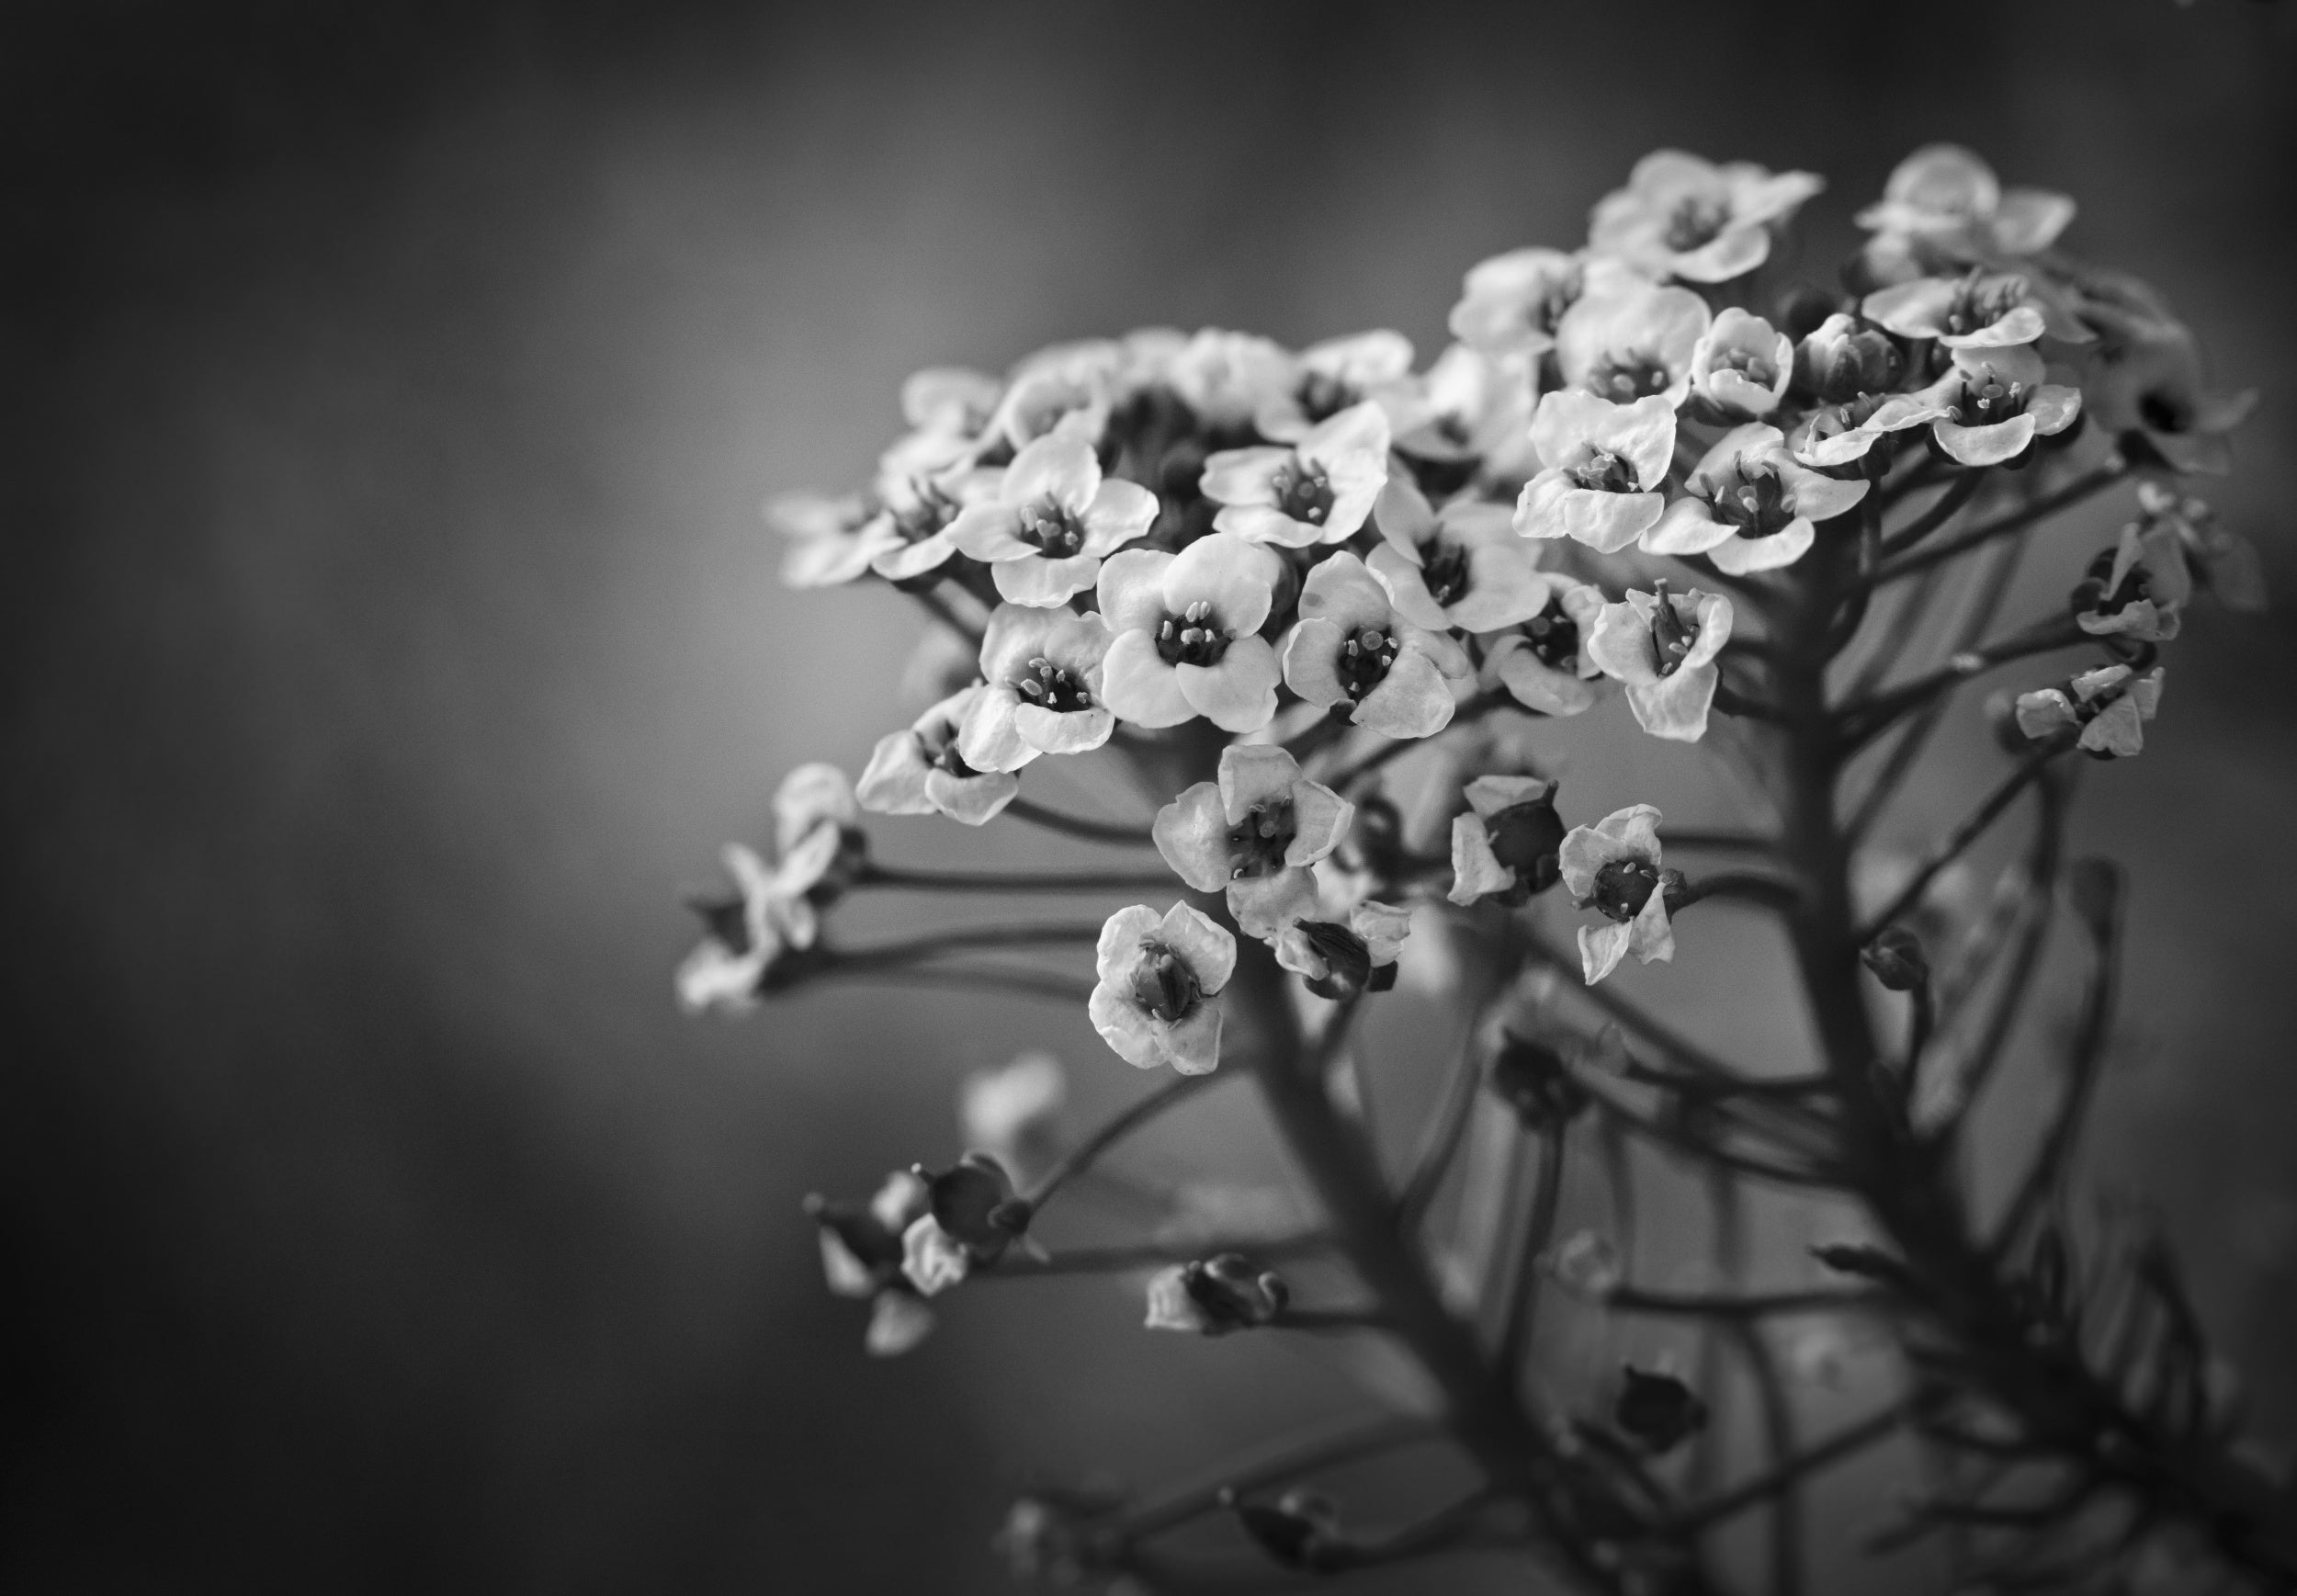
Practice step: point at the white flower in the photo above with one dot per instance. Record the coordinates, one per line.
(1351, 649)
(1993, 403)
(1460, 567)
(1511, 303)
(1334, 376)
(1977, 310)
(1504, 847)
(1749, 505)
(1632, 340)
(1473, 412)
(1042, 688)
(772, 912)
(1253, 834)
(1051, 519)
(1226, 377)
(1316, 490)
(1186, 634)
(2111, 705)
(1158, 977)
(1683, 216)
(1663, 645)
(922, 772)
(1543, 663)
(1339, 957)
(1946, 195)
(1613, 867)
(1604, 465)
(1740, 367)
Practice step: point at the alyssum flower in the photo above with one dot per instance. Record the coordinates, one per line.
(1632, 340)
(1543, 663)
(2111, 705)
(1335, 375)
(1342, 958)
(1662, 646)
(1462, 566)
(1679, 216)
(1740, 368)
(1051, 519)
(1469, 418)
(1604, 464)
(1041, 688)
(1947, 198)
(1505, 846)
(861, 1257)
(2145, 386)
(1976, 311)
(1253, 833)
(2221, 561)
(1350, 652)
(1214, 1295)
(1613, 867)
(1316, 490)
(772, 910)
(1159, 975)
(1509, 304)
(2138, 588)
(1749, 505)
(1996, 402)
(971, 1217)
(921, 771)
(1186, 632)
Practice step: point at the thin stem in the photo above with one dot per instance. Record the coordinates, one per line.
(889, 954)
(1718, 1305)
(1867, 717)
(1721, 841)
(1023, 983)
(930, 599)
(1439, 1141)
(2028, 772)
(1768, 891)
(1017, 880)
(1843, 1443)
(1017, 1265)
(1522, 1315)
(2111, 472)
(1021, 808)
(1119, 1126)
(1958, 491)
(1778, 1425)
(1325, 1446)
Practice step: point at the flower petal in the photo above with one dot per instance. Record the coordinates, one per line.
(1191, 833)
(1240, 693)
(1139, 687)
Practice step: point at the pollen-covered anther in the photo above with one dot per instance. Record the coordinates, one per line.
(1052, 686)
(1053, 529)
(1623, 378)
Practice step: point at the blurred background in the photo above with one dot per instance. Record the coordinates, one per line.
(391, 634)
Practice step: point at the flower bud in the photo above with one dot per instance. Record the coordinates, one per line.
(1213, 1296)
(1895, 957)
(974, 1203)
(1841, 359)
(1658, 1412)
(1531, 1078)
(1526, 838)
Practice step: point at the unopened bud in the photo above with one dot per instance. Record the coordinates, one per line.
(1840, 360)
(1895, 957)
(1658, 1412)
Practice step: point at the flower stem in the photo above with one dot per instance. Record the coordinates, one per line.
(1021, 808)
(1015, 881)
(2111, 472)
(1116, 1129)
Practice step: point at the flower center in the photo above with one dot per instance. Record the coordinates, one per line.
(1164, 985)
(1626, 378)
(1444, 567)
(1364, 660)
(1257, 843)
(1553, 637)
(2164, 412)
(1304, 493)
(1695, 221)
(1051, 686)
(1757, 367)
(1322, 397)
(1623, 887)
(1986, 399)
(1760, 503)
(1526, 838)
(930, 511)
(1192, 637)
(1672, 636)
(939, 744)
(1605, 472)
(1053, 529)
(1982, 301)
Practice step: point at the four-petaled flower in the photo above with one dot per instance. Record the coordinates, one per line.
(1995, 404)
(773, 910)
(1604, 467)
(2138, 588)
(1679, 216)
(1632, 340)
(1051, 519)
(1843, 358)
(1462, 567)
(1662, 645)
(832, 541)
(1351, 652)
(1740, 368)
(2147, 388)
(1471, 416)
(1613, 867)
(1338, 374)
(861, 1257)
(1748, 506)
(1186, 632)
(1511, 303)
(1226, 377)
(1316, 490)
(2111, 705)
(1159, 975)
(2224, 561)
(1253, 833)
(1041, 692)
(1543, 663)
(1505, 847)
(971, 1217)
(1976, 311)
(1948, 198)
(922, 772)
(1340, 959)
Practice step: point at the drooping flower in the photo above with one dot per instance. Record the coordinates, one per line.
(1338, 374)
(1740, 368)
(1613, 867)
(1226, 377)
(1352, 650)
(810, 796)
(1186, 635)
(1012, 1112)
(1996, 402)
(1630, 342)
(1749, 506)
(1318, 489)
(1340, 959)
(1159, 975)
(2145, 386)
(1948, 197)
(1253, 833)
(2224, 561)
(1511, 303)
(1471, 416)
(1979, 310)
(1505, 847)
(744, 934)
(971, 1217)
(1052, 518)
(1604, 465)
(1041, 688)
(1543, 663)
(2111, 705)
(1462, 567)
(920, 771)
(2138, 588)
(1679, 216)
(1214, 1296)
(861, 1257)
(1662, 646)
